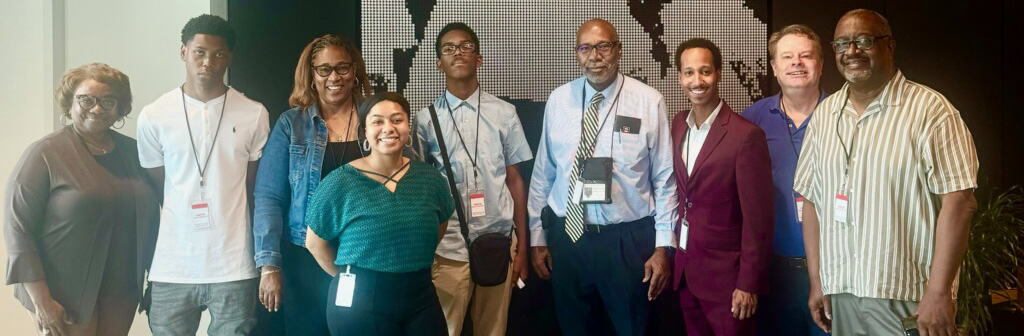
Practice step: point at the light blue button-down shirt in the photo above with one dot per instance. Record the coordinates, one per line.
(502, 143)
(642, 180)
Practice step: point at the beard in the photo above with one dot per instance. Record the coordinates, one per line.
(856, 76)
(611, 70)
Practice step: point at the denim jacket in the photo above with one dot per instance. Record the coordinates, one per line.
(289, 173)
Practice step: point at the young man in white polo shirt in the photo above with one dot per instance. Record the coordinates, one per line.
(203, 141)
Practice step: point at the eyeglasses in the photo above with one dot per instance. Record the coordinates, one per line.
(325, 70)
(87, 102)
(604, 48)
(449, 49)
(863, 43)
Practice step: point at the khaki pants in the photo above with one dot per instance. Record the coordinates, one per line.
(455, 290)
(862, 316)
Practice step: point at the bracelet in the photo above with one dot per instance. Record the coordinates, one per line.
(270, 272)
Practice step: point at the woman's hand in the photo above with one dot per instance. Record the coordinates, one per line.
(270, 288)
(50, 316)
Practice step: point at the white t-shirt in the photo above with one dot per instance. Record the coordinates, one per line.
(222, 251)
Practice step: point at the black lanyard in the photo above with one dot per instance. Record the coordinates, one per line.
(853, 142)
(195, 152)
(344, 146)
(789, 121)
(476, 146)
(583, 108)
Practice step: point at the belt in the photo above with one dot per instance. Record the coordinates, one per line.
(617, 226)
(795, 262)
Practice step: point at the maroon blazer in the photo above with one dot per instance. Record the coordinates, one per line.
(729, 201)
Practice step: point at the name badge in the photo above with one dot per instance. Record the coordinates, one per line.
(800, 209)
(346, 288)
(476, 203)
(842, 202)
(596, 179)
(684, 234)
(199, 212)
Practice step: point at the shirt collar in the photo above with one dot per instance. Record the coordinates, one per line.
(608, 92)
(892, 93)
(212, 102)
(472, 101)
(691, 118)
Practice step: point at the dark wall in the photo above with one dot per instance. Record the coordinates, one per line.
(957, 48)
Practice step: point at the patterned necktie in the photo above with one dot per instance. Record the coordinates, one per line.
(588, 136)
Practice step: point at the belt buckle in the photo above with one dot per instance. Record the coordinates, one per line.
(594, 228)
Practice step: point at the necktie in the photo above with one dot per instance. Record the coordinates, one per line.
(588, 136)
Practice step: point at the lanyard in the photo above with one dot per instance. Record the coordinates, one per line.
(195, 152)
(476, 145)
(615, 102)
(789, 122)
(853, 142)
(344, 147)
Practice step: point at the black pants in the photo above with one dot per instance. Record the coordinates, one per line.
(784, 310)
(304, 301)
(388, 304)
(599, 277)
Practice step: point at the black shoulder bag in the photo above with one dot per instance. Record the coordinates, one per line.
(489, 254)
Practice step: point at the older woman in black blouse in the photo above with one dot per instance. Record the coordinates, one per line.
(80, 215)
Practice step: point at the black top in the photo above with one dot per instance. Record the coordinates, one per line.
(338, 154)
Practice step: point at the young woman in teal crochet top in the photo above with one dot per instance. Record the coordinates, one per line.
(386, 214)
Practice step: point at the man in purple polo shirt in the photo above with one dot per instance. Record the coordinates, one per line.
(796, 60)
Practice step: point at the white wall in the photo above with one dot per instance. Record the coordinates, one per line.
(44, 38)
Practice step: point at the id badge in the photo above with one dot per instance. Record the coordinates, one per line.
(840, 211)
(346, 289)
(684, 234)
(199, 212)
(476, 203)
(799, 208)
(596, 181)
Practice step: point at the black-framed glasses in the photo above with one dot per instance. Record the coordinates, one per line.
(87, 102)
(325, 70)
(863, 43)
(604, 47)
(466, 47)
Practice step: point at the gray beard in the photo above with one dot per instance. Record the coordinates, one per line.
(857, 76)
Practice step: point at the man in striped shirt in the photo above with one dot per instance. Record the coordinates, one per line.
(888, 172)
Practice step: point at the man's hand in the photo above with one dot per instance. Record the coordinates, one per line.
(743, 304)
(519, 265)
(270, 288)
(656, 270)
(541, 261)
(821, 308)
(936, 314)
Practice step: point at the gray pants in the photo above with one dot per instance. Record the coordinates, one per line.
(177, 308)
(853, 315)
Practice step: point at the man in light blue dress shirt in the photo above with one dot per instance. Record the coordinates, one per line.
(485, 143)
(620, 262)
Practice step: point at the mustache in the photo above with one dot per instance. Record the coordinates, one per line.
(848, 59)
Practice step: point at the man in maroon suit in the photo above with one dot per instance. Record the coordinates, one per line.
(723, 173)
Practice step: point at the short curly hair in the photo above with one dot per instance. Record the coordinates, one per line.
(716, 54)
(207, 24)
(117, 80)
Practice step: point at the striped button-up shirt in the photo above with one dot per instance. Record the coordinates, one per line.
(908, 148)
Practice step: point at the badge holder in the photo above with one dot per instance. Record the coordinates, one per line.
(199, 210)
(346, 288)
(841, 203)
(799, 200)
(596, 181)
(477, 208)
(684, 229)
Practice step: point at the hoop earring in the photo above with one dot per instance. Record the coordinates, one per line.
(408, 144)
(312, 86)
(121, 119)
(366, 145)
(63, 119)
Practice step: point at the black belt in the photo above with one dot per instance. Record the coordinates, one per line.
(795, 262)
(617, 226)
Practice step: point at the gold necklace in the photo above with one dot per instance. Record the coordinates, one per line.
(90, 146)
(348, 128)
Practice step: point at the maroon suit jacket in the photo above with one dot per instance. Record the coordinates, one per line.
(729, 197)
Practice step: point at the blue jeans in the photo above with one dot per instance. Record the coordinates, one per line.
(177, 308)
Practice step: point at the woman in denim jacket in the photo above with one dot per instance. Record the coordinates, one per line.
(315, 136)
